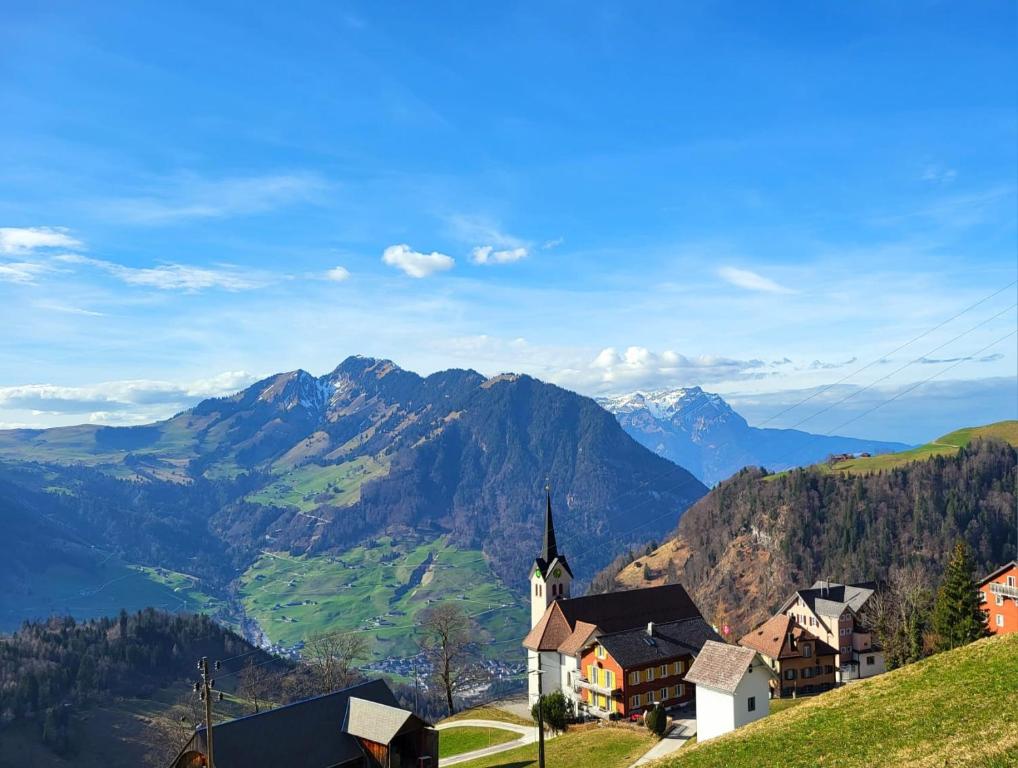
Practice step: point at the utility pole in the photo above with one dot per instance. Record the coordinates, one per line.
(204, 689)
(540, 713)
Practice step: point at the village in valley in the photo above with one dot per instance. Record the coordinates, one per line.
(639, 661)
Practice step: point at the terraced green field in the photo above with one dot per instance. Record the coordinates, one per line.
(311, 485)
(381, 589)
(947, 445)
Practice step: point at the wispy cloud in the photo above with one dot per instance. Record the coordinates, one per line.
(144, 398)
(486, 254)
(496, 246)
(191, 197)
(176, 277)
(24, 272)
(22, 240)
(750, 281)
(414, 263)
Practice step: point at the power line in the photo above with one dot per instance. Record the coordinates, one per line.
(924, 381)
(892, 352)
(906, 365)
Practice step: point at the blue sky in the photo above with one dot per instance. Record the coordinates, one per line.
(607, 197)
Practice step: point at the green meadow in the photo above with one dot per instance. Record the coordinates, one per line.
(381, 589)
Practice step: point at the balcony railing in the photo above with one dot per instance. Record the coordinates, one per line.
(1004, 590)
(581, 683)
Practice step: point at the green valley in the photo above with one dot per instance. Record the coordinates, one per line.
(381, 587)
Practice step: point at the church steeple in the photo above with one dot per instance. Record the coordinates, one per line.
(550, 577)
(550, 550)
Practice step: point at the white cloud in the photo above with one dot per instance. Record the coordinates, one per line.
(938, 174)
(337, 274)
(21, 240)
(751, 281)
(635, 367)
(486, 254)
(144, 399)
(415, 263)
(191, 197)
(176, 277)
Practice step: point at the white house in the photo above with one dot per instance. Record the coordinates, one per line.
(732, 688)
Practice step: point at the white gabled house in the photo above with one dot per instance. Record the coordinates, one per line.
(732, 688)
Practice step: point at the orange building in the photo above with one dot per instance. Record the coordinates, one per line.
(999, 593)
(629, 672)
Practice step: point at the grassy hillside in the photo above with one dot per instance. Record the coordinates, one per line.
(947, 445)
(590, 745)
(955, 709)
(383, 588)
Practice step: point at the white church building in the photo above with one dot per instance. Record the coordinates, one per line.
(564, 629)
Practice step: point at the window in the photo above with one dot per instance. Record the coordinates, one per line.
(650, 675)
(609, 679)
(680, 667)
(751, 703)
(870, 661)
(634, 700)
(634, 677)
(1000, 619)
(1000, 599)
(807, 650)
(662, 694)
(680, 690)
(982, 597)
(790, 674)
(1010, 581)
(599, 651)
(807, 672)
(664, 670)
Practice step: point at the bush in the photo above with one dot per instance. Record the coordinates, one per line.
(557, 711)
(656, 720)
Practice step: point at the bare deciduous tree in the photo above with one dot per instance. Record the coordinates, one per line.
(332, 659)
(899, 614)
(447, 640)
(256, 683)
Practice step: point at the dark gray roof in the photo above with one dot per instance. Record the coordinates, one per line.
(671, 640)
(312, 729)
(618, 611)
(829, 598)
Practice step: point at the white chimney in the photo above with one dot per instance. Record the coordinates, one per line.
(650, 628)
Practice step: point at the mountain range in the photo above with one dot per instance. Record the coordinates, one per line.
(701, 432)
(303, 466)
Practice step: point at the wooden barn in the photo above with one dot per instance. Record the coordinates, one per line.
(359, 727)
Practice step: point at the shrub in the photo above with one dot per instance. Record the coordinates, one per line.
(656, 720)
(557, 711)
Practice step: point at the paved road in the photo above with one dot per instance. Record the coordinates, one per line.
(528, 735)
(681, 732)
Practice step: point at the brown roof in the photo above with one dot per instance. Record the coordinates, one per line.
(771, 639)
(610, 612)
(578, 639)
(720, 666)
(550, 632)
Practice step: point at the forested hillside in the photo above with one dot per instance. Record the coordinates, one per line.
(53, 673)
(745, 546)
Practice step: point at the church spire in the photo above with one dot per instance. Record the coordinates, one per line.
(550, 550)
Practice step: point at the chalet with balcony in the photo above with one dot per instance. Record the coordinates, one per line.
(803, 664)
(999, 592)
(631, 671)
(837, 615)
